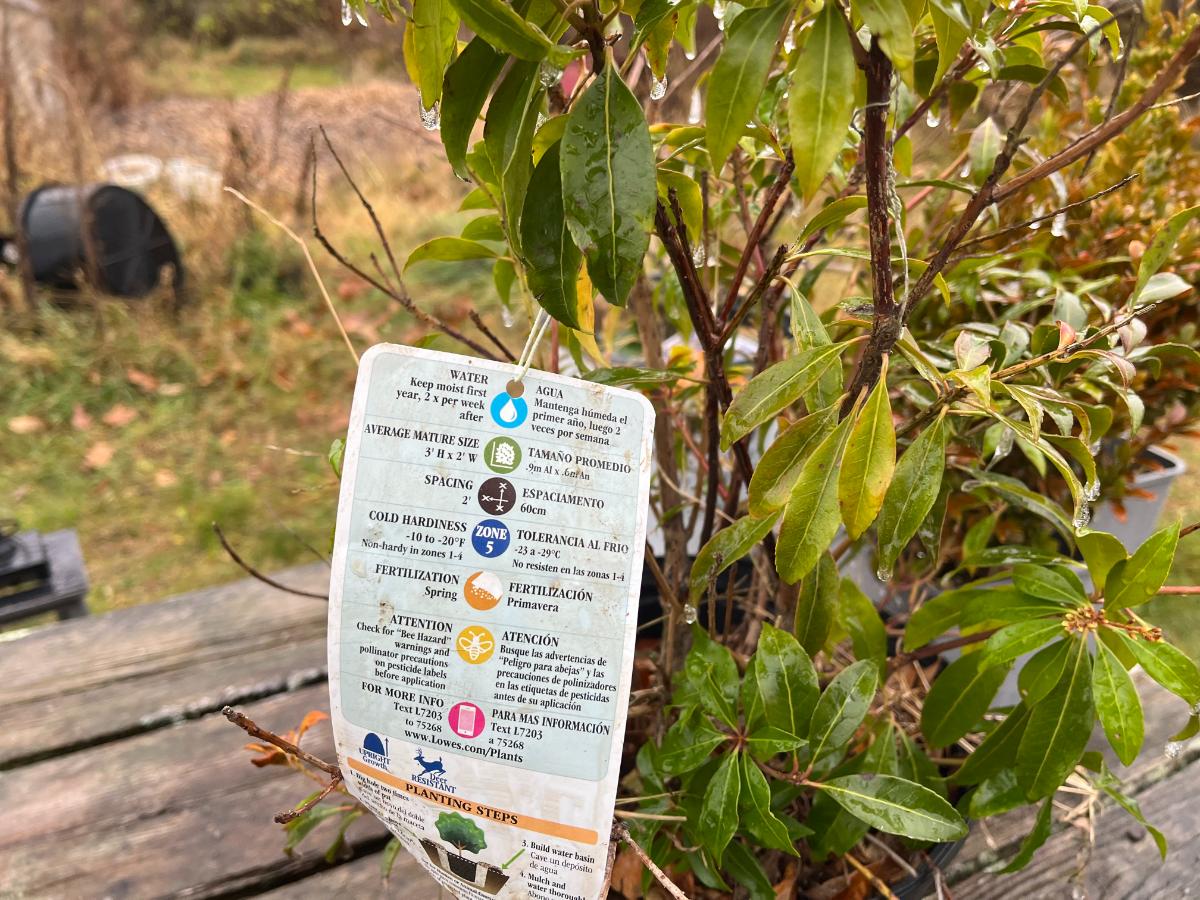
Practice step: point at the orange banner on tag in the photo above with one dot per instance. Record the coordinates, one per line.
(450, 801)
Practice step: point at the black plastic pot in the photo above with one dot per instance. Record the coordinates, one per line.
(64, 225)
(921, 885)
(467, 870)
(650, 606)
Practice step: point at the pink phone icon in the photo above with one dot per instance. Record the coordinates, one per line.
(466, 720)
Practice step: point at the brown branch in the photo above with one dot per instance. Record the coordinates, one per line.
(886, 324)
(254, 573)
(937, 649)
(399, 295)
(671, 888)
(991, 192)
(490, 335)
(1180, 589)
(754, 238)
(756, 294)
(284, 817)
(252, 728)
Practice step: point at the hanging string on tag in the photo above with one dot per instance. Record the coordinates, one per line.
(540, 323)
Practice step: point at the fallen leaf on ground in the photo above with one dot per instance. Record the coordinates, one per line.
(25, 425)
(80, 420)
(165, 478)
(99, 455)
(142, 380)
(171, 389)
(119, 416)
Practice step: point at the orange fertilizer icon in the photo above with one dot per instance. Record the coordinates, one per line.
(483, 590)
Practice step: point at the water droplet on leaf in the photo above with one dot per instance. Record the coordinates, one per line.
(1173, 749)
(658, 87)
(883, 573)
(699, 255)
(932, 119)
(347, 13)
(1058, 227)
(689, 613)
(431, 119)
(1083, 515)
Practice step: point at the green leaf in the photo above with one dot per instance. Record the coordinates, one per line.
(633, 376)
(718, 818)
(984, 147)
(995, 795)
(896, 806)
(1049, 583)
(862, 620)
(1108, 783)
(1059, 727)
(935, 617)
(889, 22)
(833, 214)
(1160, 248)
(747, 871)
(1023, 637)
(449, 249)
(1043, 671)
(1137, 579)
(779, 469)
(808, 331)
(725, 548)
(337, 455)
(687, 745)
(649, 15)
(998, 750)
(1101, 551)
(687, 193)
(713, 673)
(787, 681)
(774, 390)
(739, 76)
(1168, 665)
(842, 708)
(765, 742)
(483, 228)
(1037, 836)
(552, 258)
(817, 604)
(755, 803)
(950, 30)
(1017, 493)
(1004, 606)
(821, 101)
(960, 696)
(868, 463)
(300, 827)
(1117, 705)
(434, 24)
(508, 137)
(608, 183)
(464, 91)
(810, 519)
(502, 27)
(914, 488)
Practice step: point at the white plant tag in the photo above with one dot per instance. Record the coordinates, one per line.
(483, 609)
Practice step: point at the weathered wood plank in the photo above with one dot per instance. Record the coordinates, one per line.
(179, 811)
(81, 682)
(1164, 713)
(361, 879)
(1124, 863)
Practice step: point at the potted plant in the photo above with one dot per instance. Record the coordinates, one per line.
(934, 384)
(461, 833)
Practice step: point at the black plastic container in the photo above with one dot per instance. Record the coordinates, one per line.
(130, 243)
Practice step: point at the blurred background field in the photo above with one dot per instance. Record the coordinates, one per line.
(140, 426)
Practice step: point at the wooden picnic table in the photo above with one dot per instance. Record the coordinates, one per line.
(119, 777)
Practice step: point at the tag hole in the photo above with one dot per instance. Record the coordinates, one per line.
(515, 388)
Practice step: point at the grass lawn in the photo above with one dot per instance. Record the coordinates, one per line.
(247, 68)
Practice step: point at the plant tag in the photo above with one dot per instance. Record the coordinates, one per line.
(482, 614)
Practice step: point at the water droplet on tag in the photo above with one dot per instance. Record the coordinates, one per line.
(508, 412)
(431, 119)
(347, 13)
(932, 119)
(689, 613)
(658, 87)
(1173, 749)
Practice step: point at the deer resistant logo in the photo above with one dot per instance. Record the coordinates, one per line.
(432, 774)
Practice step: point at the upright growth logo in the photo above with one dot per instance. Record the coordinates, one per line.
(375, 750)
